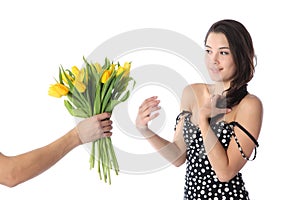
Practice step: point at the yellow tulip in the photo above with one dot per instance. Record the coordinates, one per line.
(127, 66)
(120, 70)
(79, 85)
(78, 78)
(112, 68)
(81, 74)
(65, 80)
(105, 76)
(98, 67)
(58, 90)
(75, 71)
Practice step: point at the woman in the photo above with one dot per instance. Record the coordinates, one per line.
(219, 124)
(20, 168)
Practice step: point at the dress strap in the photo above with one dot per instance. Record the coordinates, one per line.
(234, 123)
(184, 112)
(245, 131)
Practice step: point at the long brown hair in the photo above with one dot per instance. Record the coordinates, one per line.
(241, 46)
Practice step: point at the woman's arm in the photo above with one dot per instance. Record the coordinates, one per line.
(227, 163)
(174, 152)
(17, 169)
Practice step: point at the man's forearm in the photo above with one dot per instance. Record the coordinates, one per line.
(28, 165)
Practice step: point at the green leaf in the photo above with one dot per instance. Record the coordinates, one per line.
(90, 86)
(69, 106)
(75, 112)
(125, 97)
(107, 84)
(60, 76)
(97, 101)
(108, 96)
(106, 63)
(121, 87)
(76, 102)
(112, 105)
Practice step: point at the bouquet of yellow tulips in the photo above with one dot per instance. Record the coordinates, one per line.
(92, 90)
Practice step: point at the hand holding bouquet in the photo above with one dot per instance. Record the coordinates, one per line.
(92, 90)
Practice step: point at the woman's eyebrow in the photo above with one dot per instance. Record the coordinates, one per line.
(218, 48)
(224, 48)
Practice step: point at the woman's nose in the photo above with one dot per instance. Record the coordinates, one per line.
(214, 58)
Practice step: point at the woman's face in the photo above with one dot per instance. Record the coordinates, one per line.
(219, 60)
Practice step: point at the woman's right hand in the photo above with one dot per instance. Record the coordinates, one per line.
(145, 112)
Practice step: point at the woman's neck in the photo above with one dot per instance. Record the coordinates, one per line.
(218, 88)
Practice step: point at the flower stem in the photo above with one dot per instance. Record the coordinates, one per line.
(92, 156)
(99, 158)
(106, 158)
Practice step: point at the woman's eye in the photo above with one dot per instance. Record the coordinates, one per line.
(208, 51)
(224, 53)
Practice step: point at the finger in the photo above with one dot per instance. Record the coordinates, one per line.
(150, 99)
(106, 115)
(106, 123)
(107, 129)
(222, 110)
(108, 134)
(227, 110)
(153, 113)
(154, 109)
(146, 101)
(146, 108)
(153, 116)
(214, 98)
(150, 110)
(103, 116)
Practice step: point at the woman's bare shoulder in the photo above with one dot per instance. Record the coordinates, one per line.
(250, 106)
(251, 101)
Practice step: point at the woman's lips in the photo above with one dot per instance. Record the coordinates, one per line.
(215, 69)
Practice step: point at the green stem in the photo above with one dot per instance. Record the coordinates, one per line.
(104, 159)
(99, 159)
(113, 156)
(108, 163)
(92, 156)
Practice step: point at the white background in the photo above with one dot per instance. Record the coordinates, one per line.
(36, 37)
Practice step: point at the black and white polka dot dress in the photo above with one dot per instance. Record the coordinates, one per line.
(201, 181)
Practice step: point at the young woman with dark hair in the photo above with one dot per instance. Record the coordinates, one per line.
(219, 124)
